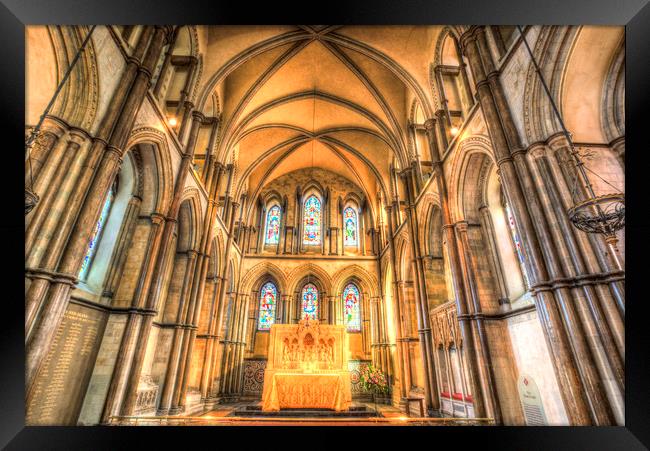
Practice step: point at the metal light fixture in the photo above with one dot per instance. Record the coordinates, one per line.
(31, 198)
(603, 214)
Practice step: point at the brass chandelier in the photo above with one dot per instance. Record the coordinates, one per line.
(604, 214)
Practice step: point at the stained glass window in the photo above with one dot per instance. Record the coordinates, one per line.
(97, 234)
(352, 308)
(350, 221)
(517, 244)
(312, 221)
(309, 302)
(273, 225)
(268, 302)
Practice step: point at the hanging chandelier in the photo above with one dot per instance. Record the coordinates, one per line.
(604, 214)
(31, 198)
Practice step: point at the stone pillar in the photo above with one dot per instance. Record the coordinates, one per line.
(482, 349)
(206, 371)
(51, 131)
(165, 66)
(402, 353)
(421, 299)
(225, 210)
(455, 267)
(581, 386)
(155, 282)
(208, 165)
(45, 325)
(171, 374)
(207, 376)
(223, 287)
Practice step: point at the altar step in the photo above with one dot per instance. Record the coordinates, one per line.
(353, 412)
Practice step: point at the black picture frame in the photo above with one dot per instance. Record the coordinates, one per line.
(634, 14)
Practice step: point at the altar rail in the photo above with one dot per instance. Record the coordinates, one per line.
(232, 421)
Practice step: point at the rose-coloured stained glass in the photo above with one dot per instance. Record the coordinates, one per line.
(312, 222)
(268, 303)
(519, 250)
(309, 302)
(273, 225)
(96, 236)
(350, 222)
(352, 307)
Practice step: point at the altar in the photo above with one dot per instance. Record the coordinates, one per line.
(307, 368)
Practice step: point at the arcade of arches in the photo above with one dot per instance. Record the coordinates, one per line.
(199, 184)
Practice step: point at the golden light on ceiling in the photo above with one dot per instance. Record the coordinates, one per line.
(454, 131)
(172, 121)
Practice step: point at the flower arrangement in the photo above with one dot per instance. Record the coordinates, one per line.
(373, 379)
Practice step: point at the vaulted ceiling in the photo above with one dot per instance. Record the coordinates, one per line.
(293, 97)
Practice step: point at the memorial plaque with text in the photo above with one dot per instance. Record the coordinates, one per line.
(59, 388)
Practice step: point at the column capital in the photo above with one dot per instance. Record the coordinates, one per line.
(196, 114)
(461, 226)
(430, 124)
(157, 218)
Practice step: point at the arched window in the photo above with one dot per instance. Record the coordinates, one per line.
(352, 308)
(97, 233)
(268, 302)
(519, 250)
(273, 225)
(351, 227)
(312, 222)
(309, 302)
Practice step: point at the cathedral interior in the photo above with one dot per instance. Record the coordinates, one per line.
(199, 189)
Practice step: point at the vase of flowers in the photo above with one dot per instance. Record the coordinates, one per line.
(373, 381)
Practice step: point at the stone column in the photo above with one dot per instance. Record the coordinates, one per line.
(208, 166)
(241, 345)
(207, 375)
(365, 324)
(153, 289)
(455, 267)
(402, 353)
(231, 336)
(225, 210)
(206, 370)
(482, 349)
(165, 66)
(51, 131)
(223, 287)
(45, 275)
(580, 384)
(595, 304)
(52, 194)
(45, 325)
(171, 374)
(421, 299)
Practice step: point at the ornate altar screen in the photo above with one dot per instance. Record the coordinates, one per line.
(307, 367)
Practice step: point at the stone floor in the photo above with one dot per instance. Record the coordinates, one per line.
(226, 415)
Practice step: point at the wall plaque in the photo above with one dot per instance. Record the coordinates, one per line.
(61, 383)
(531, 401)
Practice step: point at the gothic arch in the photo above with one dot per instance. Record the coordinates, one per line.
(302, 271)
(189, 221)
(470, 155)
(552, 50)
(253, 275)
(155, 154)
(366, 281)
